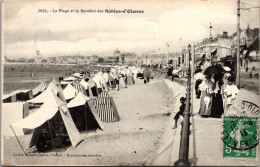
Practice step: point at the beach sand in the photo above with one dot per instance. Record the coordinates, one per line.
(134, 140)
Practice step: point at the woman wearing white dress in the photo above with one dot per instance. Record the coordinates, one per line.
(206, 92)
(230, 92)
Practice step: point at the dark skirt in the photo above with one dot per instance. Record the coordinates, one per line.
(112, 84)
(140, 75)
(197, 84)
(217, 105)
(117, 81)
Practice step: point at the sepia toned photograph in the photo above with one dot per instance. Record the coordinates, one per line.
(130, 83)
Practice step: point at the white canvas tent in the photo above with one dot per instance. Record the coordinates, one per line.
(84, 84)
(52, 88)
(40, 88)
(71, 78)
(65, 82)
(14, 97)
(78, 75)
(80, 100)
(11, 113)
(46, 113)
(69, 92)
(15, 92)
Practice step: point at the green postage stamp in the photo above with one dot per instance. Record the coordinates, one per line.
(240, 137)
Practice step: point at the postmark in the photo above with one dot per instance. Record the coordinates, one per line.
(240, 137)
(245, 109)
(250, 108)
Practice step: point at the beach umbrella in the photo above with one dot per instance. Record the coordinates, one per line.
(211, 70)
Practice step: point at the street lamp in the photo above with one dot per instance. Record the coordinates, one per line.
(189, 49)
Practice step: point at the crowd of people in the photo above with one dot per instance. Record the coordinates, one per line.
(112, 78)
(215, 89)
(118, 76)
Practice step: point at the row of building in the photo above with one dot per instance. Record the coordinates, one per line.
(72, 59)
(222, 48)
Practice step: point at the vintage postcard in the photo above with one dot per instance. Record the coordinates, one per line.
(130, 82)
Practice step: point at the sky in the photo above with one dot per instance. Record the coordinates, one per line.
(165, 26)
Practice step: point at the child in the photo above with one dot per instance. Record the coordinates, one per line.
(230, 92)
(182, 108)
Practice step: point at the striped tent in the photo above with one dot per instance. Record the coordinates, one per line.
(105, 107)
(40, 88)
(79, 87)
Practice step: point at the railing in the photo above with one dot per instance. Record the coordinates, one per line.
(184, 144)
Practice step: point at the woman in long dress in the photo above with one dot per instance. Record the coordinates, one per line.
(217, 101)
(206, 100)
(225, 83)
(230, 93)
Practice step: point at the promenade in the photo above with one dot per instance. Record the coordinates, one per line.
(205, 148)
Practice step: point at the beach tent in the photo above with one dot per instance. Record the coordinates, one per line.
(65, 83)
(69, 92)
(84, 84)
(78, 75)
(9, 98)
(91, 88)
(71, 78)
(52, 115)
(39, 89)
(79, 87)
(11, 113)
(52, 88)
(18, 95)
(105, 107)
(82, 115)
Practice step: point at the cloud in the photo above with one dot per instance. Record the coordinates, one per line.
(101, 33)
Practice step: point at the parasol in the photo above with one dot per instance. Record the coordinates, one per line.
(211, 70)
